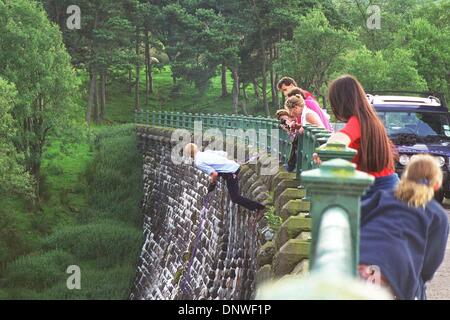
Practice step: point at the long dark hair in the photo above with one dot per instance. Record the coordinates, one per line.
(347, 99)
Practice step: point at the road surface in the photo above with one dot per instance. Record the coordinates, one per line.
(439, 288)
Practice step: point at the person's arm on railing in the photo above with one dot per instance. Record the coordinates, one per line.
(338, 137)
(314, 119)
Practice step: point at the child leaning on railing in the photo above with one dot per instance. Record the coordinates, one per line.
(404, 233)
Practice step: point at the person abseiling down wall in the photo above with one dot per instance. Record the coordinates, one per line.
(216, 164)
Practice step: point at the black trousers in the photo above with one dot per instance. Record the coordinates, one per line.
(233, 190)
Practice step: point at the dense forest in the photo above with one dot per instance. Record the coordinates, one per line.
(72, 73)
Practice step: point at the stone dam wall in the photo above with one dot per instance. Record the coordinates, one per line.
(216, 253)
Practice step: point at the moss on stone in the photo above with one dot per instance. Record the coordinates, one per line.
(178, 276)
(290, 254)
(293, 208)
(283, 175)
(283, 185)
(265, 254)
(287, 195)
(291, 228)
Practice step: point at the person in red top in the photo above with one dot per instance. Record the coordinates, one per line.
(363, 132)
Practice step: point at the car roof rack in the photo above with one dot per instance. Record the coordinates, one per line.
(434, 98)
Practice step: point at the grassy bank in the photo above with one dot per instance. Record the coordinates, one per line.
(91, 189)
(90, 217)
(181, 97)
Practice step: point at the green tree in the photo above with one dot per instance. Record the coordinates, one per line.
(354, 15)
(105, 40)
(315, 47)
(430, 48)
(382, 70)
(13, 177)
(34, 59)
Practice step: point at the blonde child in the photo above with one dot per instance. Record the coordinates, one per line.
(404, 233)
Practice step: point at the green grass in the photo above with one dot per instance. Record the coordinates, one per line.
(16, 230)
(107, 242)
(90, 217)
(90, 190)
(115, 177)
(64, 190)
(181, 97)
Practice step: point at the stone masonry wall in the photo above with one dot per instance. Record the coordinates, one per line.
(231, 258)
(224, 264)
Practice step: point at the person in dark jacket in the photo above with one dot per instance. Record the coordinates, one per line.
(404, 233)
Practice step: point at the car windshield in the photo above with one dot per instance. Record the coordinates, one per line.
(418, 127)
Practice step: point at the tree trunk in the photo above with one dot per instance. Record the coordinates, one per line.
(272, 80)
(256, 89)
(264, 59)
(96, 101)
(235, 90)
(137, 104)
(91, 100)
(130, 82)
(244, 101)
(224, 81)
(150, 66)
(244, 91)
(264, 89)
(147, 66)
(103, 95)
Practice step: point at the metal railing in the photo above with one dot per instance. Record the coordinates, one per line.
(227, 124)
(334, 189)
(306, 143)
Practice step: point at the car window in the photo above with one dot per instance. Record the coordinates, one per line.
(421, 124)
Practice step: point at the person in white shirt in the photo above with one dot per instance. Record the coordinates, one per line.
(216, 164)
(298, 110)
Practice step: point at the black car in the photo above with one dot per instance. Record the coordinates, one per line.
(417, 124)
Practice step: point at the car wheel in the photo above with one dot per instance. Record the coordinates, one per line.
(439, 196)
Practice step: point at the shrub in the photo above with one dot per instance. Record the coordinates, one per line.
(106, 242)
(114, 176)
(114, 283)
(40, 271)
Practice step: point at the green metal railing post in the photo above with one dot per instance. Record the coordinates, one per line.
(300, 154)
(159, 123)
(153, 118)
(317, 134)
(183, 120)
(306, 146)
(322, 183)
(331, 151)
(178, 120)
(196, 118)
